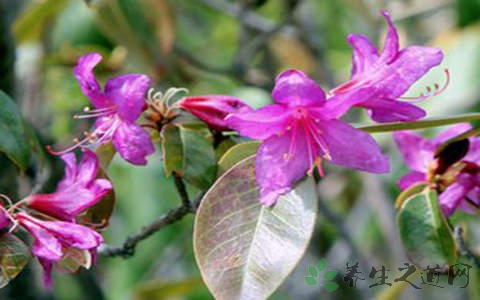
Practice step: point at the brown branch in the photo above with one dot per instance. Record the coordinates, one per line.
(127, 249)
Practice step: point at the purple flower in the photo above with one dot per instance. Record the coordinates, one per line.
(116, 109)
(300, 130)
(53, 237)
(78, 190)
(213, 109)
(390, 74)
(418, 154)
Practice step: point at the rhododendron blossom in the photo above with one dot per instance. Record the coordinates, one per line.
(116, 110)
(212, 109)
(418, 152)
(390, 74)
(300, 130)
(78, 190)
(53, 237)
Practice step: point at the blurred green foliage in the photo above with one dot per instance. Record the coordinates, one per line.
(196, 44)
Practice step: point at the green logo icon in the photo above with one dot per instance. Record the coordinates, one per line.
(315, 273)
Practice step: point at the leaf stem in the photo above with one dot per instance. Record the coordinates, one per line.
(422, 124)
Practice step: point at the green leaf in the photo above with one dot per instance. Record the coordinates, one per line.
(322, 265)
(245, 250)
(14, 255)
(426, 123)
(424, 231)
(173, 158)
(235, 154)
(313, 271)
(330, 286)
(409, 192)
(199, 155)
(188, 151)
(310, 280)
(13, 141)
(329, 275)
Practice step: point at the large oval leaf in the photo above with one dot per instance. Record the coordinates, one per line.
(424, 231)
(14, 255)
(245, 250)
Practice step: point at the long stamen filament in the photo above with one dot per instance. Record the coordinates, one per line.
(431, 92)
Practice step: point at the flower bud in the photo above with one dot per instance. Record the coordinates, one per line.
(213, 109)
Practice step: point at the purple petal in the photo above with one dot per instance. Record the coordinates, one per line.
(45, 245)
(261, 123)
(70, 168)
(451, 132)
(390, 49)
(276, 170)
(128, 92)
(89, 85)
(417, 151)
(295, 88)
(133, 143)
(337, 105)
(48, 234)
(383, 110)
(352, 148)
(88, 167)
(411, 179)
(411, 64)
(453, 195)
(364, 53)
(47, 271)
(473, 154)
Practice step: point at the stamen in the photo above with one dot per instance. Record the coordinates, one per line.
(76, 145)
(94, 113)
(431, 92)
(292, 145)
(320, 142)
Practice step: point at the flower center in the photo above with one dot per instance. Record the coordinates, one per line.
(300, 113)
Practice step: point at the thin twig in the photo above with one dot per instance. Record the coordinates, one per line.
(182, 190)
(462, 247)
(127, 249)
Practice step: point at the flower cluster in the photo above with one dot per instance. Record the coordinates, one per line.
(458, 182)
(303, 127)
(51, 218)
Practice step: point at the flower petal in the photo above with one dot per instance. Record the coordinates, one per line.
(390, 49)
(417, 152)
(473, 154)
(410, 179)
(89, 85)
(46, 245)
(276, 170)
(352, 148)
(454, 194)
(261, 123)
(337, 105)
(451, 132)
(295, 88)
(128, 92)
(133, 143)
(47, 271)
(364, 53)
(383, 110)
